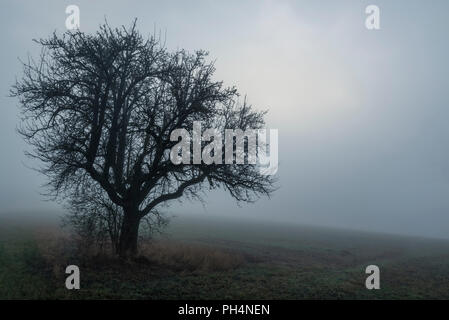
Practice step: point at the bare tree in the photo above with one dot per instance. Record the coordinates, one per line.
(97, 221)
(99, 108)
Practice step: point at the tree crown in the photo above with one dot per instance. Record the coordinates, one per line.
(99, 108)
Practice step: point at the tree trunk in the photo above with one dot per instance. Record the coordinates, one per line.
(127, 246)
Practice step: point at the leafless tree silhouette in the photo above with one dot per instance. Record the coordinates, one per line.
(97, 221)
(99, 109)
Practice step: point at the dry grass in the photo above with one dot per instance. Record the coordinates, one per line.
(190, 257)
(56, 247)
(60, 249)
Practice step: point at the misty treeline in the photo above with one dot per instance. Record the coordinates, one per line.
(98, 110)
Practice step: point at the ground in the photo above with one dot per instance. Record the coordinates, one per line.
(211, 258)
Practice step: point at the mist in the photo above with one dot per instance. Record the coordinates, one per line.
(362, 114)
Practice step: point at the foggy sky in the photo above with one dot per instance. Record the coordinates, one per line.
(362, 115)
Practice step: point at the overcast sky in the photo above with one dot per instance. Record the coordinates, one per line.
(362, 114)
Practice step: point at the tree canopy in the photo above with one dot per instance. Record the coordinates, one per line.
(99, 109)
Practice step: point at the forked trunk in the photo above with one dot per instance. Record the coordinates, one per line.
(127, 246)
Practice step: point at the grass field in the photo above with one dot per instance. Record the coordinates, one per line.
(205, 258)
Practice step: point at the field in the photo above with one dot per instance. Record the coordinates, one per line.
(212, 258)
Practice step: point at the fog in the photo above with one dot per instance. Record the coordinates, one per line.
(362, 114)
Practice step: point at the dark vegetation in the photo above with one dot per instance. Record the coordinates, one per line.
(201, 258)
